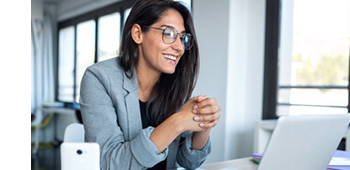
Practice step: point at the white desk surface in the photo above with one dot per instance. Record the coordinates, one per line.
(241, 164)
(58, 110)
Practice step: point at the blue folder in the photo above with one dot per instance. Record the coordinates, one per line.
(342, 154)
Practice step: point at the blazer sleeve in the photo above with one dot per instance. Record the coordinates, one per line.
(189, 158)
(101, 125)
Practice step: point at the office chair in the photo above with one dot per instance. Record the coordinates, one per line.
(74, 133)
(76, 154)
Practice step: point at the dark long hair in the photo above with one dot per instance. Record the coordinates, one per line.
(171, 90)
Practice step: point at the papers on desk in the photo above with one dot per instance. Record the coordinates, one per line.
(257, 158)
(53, 104)
(340, 160)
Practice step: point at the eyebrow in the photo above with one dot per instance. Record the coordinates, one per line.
(184, 31)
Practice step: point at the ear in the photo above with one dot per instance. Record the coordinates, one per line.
(136, 33)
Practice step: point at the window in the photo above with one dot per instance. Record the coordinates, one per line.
(66, 64)
(308, 57)
(85, 40)
(109, 36)
(85, 51)
(187, 3)
(126, 14)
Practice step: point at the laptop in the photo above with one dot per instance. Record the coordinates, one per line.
(305, 142)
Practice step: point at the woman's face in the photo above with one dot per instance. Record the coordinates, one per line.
(156, 55)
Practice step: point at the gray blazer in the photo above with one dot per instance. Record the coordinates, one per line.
(111, 114)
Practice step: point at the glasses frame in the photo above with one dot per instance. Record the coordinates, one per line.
(177, 34)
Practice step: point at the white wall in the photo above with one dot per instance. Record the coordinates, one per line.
(212, 27)
(231, 42)
(248, 86)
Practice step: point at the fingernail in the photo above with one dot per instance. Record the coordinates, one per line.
(203, 97)
(195, 107)
(201, 124)
(196, 118)
(194, 111)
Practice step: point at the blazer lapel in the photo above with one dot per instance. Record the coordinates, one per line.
(132, 105)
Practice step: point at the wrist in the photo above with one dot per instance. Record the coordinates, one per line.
(200, 139)
(205, 132)
(177, 122)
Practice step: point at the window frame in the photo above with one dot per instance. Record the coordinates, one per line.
(92, 15)
(270, 87)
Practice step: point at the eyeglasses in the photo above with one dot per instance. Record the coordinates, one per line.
(170, 34)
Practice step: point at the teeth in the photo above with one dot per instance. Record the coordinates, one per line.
(169, 57)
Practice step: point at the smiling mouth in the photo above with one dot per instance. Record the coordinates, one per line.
(170, 57)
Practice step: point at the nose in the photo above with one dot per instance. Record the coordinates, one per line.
(177, 45)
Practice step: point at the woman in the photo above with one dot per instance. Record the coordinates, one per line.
(137, 107)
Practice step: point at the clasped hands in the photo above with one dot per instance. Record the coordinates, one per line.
(200, 113)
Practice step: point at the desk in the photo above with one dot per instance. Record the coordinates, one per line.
(62, 118)
(69, 117)
(241, 164)
(58, 110)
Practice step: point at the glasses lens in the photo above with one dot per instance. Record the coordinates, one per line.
(169, 35)
(187, 41)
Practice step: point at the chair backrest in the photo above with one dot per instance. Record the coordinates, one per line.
(74, 133)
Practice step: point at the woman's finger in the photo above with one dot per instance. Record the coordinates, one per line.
(207, 118)
(208, 125)
(206, 102)
(201, 98)
(206, 110)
